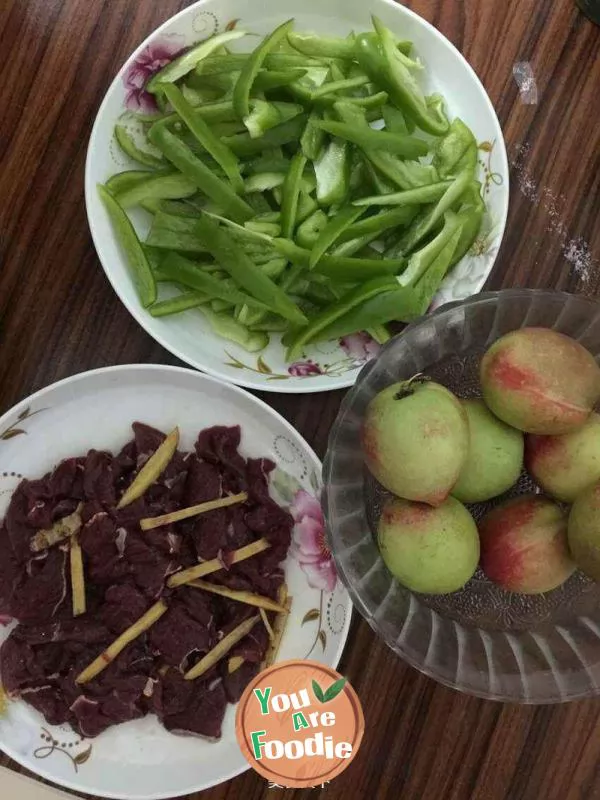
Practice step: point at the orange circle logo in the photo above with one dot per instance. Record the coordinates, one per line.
(299, 724)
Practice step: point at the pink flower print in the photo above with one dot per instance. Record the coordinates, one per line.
(302, 369)
(150, 61)
(360, 347)
(309, 545)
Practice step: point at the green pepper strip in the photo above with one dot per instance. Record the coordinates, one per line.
(408, 146)
(291, 193)
(456, 151)
(182, 302)
(429, 220)
(429, 283)
(339, 268)
(262, 116)
(244, 272)
(181, 270)
(402, 86)
(378, 223)
(123, 181)
(346, 303)
(339, 86)
(189, 60)
(229, 328)
(275, 79)
(422, 259)
(353, 246)
(207, 139)
(420, 196)
(334, 228)
(143, 276)
(397, 304)
(322, 46)
(190, 165)
(243, 86)
(333, 173)
(162, 187)
(242, 144)
(264, 182)
(308, 231)
(129, 147)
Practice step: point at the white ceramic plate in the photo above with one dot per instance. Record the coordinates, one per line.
(334, 364)
(95, 409)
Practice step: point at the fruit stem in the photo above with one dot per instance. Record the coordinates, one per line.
(408, 387)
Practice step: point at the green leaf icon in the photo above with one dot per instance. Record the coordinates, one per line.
(318, 692)
(334, 690)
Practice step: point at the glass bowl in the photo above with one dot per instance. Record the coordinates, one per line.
(481, 640)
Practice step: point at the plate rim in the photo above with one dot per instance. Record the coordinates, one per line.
(78, 377)
(294, 385)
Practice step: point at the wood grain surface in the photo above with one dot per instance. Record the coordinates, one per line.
(59, 316)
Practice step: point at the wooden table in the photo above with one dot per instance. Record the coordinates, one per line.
(60, 316)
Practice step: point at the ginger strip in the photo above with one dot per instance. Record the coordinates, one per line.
(4, 701)
(131, 634)
(221, 649)
(214, 564)
(192, 511)
(152, 469)
(77, 578)
(234, 663)
(278, 626)
(249, 598)
(62, 529)
(267, 624)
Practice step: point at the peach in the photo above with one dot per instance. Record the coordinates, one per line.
(495, 457)
(584, 531)
(524, 545)
(430, 550)
(540, 381)
(565, 465)
(415, 439)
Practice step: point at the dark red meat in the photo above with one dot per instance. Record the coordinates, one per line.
(126, 571)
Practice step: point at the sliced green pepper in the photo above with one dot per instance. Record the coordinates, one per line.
(183, 271)
(135, 256)
(123, 181)
(244, 272)
(291, 192)
(308, 231)
(420, 196)
(290, 131)
(231, 329)
(455, 152)
(332, 231)
(339, 268)
(243, 86)
(378, 223)
(313, 138)
(182, 302)
(352, 299)
(420, 261)
(332, 170)
(129, 147)
(425, 224)
(429, 283)
(322, 46)
(396, 122)
(397, 304)
(189, 60)
(162, 187)
(332, 87)
(211, 143)
(190, 165)
(407, 146)
(275, 79)
(399, 82)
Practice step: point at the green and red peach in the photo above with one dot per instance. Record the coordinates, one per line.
(494, 459)
(524, 545)
(540, 381)
(415, 438)
(430, 550)
(565, 465)
(584, 531)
